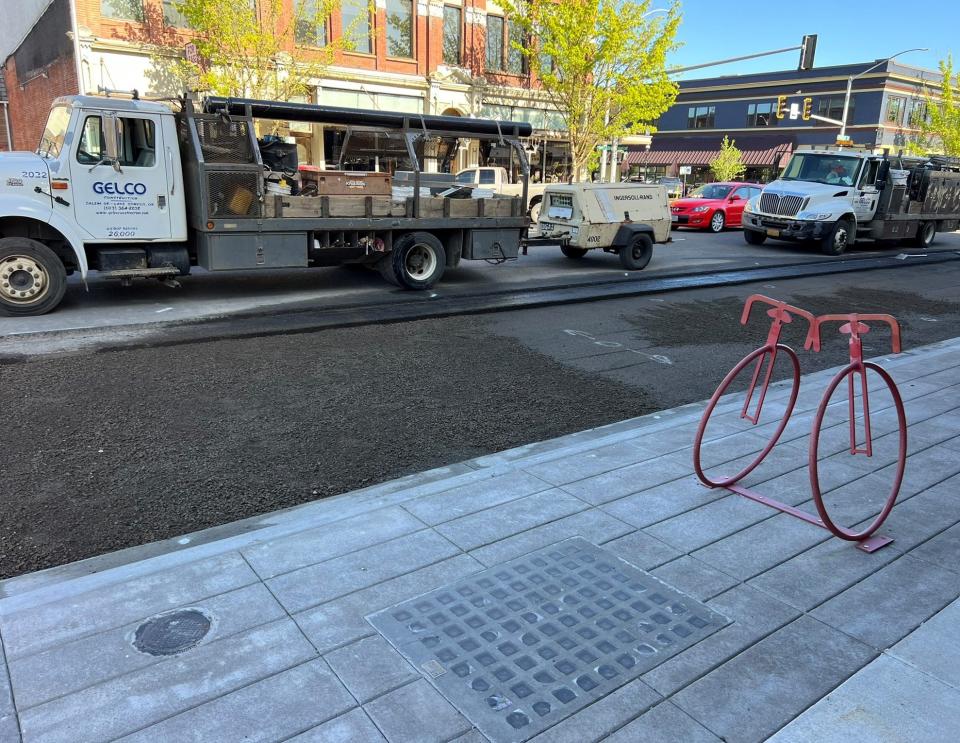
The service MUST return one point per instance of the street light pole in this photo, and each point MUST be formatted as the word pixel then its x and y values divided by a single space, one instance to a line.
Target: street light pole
pixel 851 78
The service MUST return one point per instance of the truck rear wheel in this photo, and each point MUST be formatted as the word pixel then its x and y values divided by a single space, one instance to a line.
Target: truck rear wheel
pixel 754 238
pixel 32 277
pixel 839 238
pixel 637 254
pixel 417 260
pixel 925 235
pixel 571 252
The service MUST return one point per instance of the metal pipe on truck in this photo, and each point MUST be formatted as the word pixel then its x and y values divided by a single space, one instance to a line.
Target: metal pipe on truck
pixel 310 112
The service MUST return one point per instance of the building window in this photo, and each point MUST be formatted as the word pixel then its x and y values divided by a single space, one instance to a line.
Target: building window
pixel 495 43
pixel 311 26
pixel 760 114
pixel 452 34
pixel 701 117
pixel 355 17
pixel 172 16
pixel 124 10
pixel 919 113
pixel 515 58
pixel 400 28
pixel 895 108
pixel 832 108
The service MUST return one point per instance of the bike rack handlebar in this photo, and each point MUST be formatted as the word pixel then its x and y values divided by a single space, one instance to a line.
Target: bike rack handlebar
pixel 781 312
pixel 854 325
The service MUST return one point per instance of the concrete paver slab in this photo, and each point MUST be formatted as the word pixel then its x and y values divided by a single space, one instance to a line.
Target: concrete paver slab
pixel 617 483
pixel 933 647
pixel 887 700
pixel 402 715
pixel 500 522
pixel 758 691
pixel 370 667
pixel 353 726
pixel 329 541
pixel 269 710
pixel 694 577
pixel 479 496
pixel 665 722
pixel 93 659
pixel 31 630
pixel 662 502
pixel 594 526
pixel 887 605
pixel 136 700
pixel 640 549
pixel 942 549
pixel 317 584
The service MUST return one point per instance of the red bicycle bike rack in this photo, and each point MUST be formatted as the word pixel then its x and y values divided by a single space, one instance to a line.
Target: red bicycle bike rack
pixel 855 326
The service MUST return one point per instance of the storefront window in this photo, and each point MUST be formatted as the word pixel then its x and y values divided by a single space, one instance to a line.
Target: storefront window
pixel 400 28
pixel 452 34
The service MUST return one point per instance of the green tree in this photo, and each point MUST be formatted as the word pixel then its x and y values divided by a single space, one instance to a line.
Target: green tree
pixel 728 165
pixel 602 63
pixel 249 48
pixel 938 121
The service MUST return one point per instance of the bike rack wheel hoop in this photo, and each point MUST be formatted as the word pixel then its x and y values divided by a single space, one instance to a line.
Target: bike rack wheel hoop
pixel 760 356
pixel 849 372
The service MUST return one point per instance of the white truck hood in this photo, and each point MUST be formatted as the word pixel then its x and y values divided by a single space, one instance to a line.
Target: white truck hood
pixel 803 198
pixel 21 173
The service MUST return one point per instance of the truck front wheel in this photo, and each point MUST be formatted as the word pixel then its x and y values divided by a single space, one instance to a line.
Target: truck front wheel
pixel 417 260
pixel 637 254
pixel 753 237
pixel 839 238
pixel 32 277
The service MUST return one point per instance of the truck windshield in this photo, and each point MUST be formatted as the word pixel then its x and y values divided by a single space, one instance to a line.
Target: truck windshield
pixel 711 191
pixel 51 141
pixel 822 168
pixel 466 176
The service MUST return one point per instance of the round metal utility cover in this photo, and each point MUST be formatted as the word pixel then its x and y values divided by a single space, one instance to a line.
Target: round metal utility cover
pixel 172 633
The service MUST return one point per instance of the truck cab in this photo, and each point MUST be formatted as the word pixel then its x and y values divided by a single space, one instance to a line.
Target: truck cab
pixel 823 195
pixel 497 180
pixel 106 174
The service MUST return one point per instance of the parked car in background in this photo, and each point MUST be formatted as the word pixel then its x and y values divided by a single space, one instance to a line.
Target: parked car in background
pixel 713 206
pixel 673 185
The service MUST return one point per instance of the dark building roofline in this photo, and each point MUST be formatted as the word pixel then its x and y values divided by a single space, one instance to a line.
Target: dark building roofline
pixel 888 66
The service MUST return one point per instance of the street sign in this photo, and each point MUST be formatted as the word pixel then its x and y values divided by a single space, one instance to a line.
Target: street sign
pixel 794 111
pixel 191 53
pixel 686 169
pixel 844 141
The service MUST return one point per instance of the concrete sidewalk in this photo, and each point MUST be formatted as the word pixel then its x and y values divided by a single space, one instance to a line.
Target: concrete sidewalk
pixel 259 630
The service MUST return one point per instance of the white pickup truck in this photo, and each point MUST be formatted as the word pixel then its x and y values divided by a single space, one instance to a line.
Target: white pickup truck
pixel 497 180
pixel 835 197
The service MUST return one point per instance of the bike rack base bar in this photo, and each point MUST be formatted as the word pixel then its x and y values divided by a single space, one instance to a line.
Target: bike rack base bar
pixel 870 544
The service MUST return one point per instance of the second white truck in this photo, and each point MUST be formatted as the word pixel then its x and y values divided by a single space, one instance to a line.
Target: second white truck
pixel 836 197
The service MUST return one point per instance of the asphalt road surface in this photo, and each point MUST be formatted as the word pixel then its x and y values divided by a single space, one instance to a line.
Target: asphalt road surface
pixel 106 450
pixel 108 306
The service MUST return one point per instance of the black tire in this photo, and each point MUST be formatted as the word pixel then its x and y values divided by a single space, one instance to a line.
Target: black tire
pixel 385 267
pixel 33 285
pixel 636 255
pixel 572 252
pixel 718 221
pixel 754 238
pixel 533 213
pixel 839 238
pixel 925 235
pixel 418 260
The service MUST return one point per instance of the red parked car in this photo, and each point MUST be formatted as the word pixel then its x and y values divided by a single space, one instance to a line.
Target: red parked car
pixel 713 206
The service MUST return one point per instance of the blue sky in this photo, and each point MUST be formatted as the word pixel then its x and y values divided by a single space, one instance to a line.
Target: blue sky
pixel 849 31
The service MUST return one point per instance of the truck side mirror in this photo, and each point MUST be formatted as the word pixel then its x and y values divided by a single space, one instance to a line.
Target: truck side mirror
pixel 111 140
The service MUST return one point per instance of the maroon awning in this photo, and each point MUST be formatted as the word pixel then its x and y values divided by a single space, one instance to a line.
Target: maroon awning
pixel 702 151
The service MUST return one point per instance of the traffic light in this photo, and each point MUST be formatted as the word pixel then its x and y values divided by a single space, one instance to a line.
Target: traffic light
pixel 807 49
pixel 781 107
pixel 807 108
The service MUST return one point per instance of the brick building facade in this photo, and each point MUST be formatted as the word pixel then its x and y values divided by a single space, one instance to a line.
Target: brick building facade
pixel 420 56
